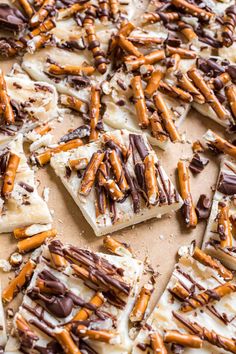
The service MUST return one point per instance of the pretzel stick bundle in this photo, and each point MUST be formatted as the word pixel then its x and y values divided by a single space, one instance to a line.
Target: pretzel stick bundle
pixel 188 208
pixel 151 179
pixel 64 339
pixel 165 115
pixel 109 184
pixel 10 174
pixel 157 130
pixel 184 339
pixel 118 171
pixel 215 141
pixel 116 247
pixel 128 46
pixel 70 70
pixel 193 9
pixel 230 92
pixel 44 157
pixel 140 104
pixel 95 302
pixel 94 112
pixel 208 296
pixel 73 103
pixel 70 11
pixel 27 7
pixel 229 26
pixel 98 54
pixel 157 343
pixel 33 242
pixel 153 17
pixel 16 284
pixel 5 102
pixel 141 304
pixel 90 173
pixel 103 10
pixel 153 83
pixel 151 58
pixel 115 8
pixel 208 261
pixel 44 11
pixel 186 84
pixel 175 92
pixel 224 225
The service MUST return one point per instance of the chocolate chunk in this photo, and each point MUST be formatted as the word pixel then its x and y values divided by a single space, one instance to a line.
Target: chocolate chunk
pixel 80 132
pixel 173 42
pixel 198 163
pixel 203 207
pixel 78 81
pixel 11 19
pixel 61 306
pixel 227 184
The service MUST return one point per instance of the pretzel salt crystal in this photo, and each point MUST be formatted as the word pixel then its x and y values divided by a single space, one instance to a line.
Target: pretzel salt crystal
pixel 5 102
pixel 151 179
pixel 42 13
pixel 66 342
pixel 209 95
pixel 10 174
pixel 140 104
pixel 184 339
pixel 128 46
pixel 151 58
pixel 94 112
pixel 230 92
pixel 70 11
pixel 153 83
pixel 182 52
pixel 94 45
pixel 165 114
pixel 16 284
pixel 157 130
pixel 176 92
pixel 186 84
pixel 104 336
pixel 192 9
pixel 157 343
pixel 45 156
pixel 207 296
pixel 55 69
pixel 90 173
pixel 27 7
pixel 33 242
pixel 118 171
pixel 224 225
pixel 141 304
pixel 188 207
pixel 109 184
pixel 220 144
pixel 84 313
pixel 116 247
pixel 73 103
pixel 153 17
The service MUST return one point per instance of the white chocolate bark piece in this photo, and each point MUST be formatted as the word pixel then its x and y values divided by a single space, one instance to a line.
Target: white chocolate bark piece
pixel 35 103
pixel 71 293
pixel 215 314
pixel 125 209
pixel 219 241
pixel 3 332
pixel 23 206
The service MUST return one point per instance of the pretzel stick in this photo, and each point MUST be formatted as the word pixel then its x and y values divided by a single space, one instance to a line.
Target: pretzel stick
pixel 30 230
pixel 33 242
pixel 74 103
pixel 90 173
pixel 193 9
pixel 174 61
pixel 208 261
pixel 109 184
pixel 141 304
pixel 151 179
pixel 128 47
pixel 145 41
pixel 220 81
pixel 70 70
pixel 165 114
pixel 90 16
pixel 153 17
pixel 182 52
pixel 230 92
pixel 156 128
pixel 106 138
pixel 179 291
pixel 219 143
pixel 189 212
pixel 140 104
pixel 43 129
pixel 207 297
pixel 84 313
pixel 153 83
pixel 118 171
pixel 125 30
pixel 209 95
pixel 64 339
pixel 94 45
pixel 45 156
pixel 207 335
pixel 229 26
pixel 94 112
pixel 104 336
pixel 5 102
pixel 79 164
pixel 23 327
pixel 151 58
pixel 187 31
pixel 157 343
pixel 27 7
pixel 185 339
pixel 224 225
pixel 44 27
pixel 70 11
pixel 10 174
pixel 42 13
pixel 116 247
pixel 114 6
pixel 175 92
pixel 186 84
pixel 16 284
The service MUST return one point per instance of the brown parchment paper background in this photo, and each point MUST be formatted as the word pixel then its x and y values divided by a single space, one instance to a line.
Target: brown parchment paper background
pixel 156 240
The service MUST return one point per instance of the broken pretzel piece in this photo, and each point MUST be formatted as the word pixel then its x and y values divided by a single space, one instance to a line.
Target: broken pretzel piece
pixel 94 112
pixel 5 102
pixel 97 335
pixel 45 10
pixel 42 129
pixel 94 46
pixel 224 225
pixel 153 17
pixel 230 92
pixel 90 173
pixel 141 304
pixel 27 7
pixel 187 31
pixel 66 341
pixel 185 339
pixel 79 164
pixel 157 343
pixel 176 92
pixel 151 179
pixel 220 81
pixel 116 247
pixel 109 184
pixel 103 11
pixel 133 63
pixel 33 242
pixel 140 104
pixel 188 208
pixel 220 144
pixel 95 302
pixel 153 83
pixel 192 9
pixel 128 46
pixel 70 10
pixel 16 284
pixel 186 84
pixel 157 130
pixel 179 291
pixel 70 70
pixel 182 52
pixel 74 103
pixel 118 171
pixel 10 174
pixel 31 230
pixel 57 255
